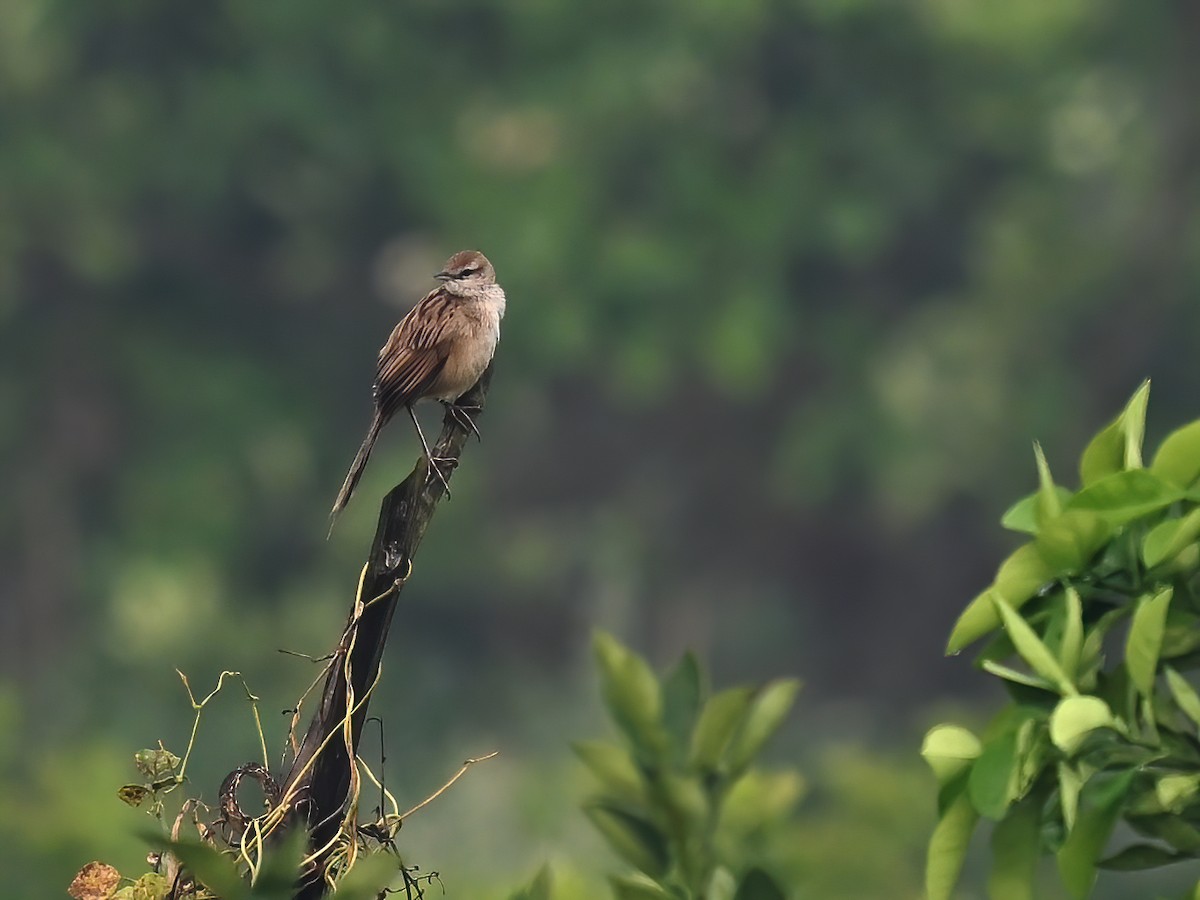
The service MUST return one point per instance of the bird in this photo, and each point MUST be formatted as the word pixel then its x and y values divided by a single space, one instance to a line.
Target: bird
pixel 438 351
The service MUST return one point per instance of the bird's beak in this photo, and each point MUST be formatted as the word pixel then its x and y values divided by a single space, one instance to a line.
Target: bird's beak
pixel 442 276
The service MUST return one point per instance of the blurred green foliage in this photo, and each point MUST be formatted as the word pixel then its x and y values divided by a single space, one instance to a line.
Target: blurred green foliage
pixel 684 752
pixel 793 282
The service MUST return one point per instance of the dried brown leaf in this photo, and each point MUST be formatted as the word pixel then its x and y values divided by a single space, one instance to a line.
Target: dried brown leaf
pixel 95 881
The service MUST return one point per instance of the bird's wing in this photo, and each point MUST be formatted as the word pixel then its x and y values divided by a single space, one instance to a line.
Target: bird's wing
pixel 415 354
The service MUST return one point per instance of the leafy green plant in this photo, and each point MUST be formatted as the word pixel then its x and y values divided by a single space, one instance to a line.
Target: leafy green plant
pixel 1092 624
pixel 663 787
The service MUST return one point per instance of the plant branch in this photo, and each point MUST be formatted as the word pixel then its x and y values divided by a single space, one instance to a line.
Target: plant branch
pixel 321 784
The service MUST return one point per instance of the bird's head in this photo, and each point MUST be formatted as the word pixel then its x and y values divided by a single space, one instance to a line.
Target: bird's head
pixel 465 271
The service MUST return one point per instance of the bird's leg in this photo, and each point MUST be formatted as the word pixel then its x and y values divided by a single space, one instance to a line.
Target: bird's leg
pixel 461 415
pixel 429 457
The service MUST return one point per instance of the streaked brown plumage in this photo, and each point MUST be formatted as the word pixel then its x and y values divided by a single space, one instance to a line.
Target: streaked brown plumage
pixel 437 352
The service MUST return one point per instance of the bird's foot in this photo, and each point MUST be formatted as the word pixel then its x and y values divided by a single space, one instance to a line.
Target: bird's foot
pixel 436 464
pixel 462 417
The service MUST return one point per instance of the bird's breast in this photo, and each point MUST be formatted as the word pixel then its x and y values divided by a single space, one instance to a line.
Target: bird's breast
pixel 469 353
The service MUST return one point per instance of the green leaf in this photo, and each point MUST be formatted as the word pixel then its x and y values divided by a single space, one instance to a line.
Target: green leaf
pixel 210 867
pixel 768 709
pixel 635 839
pixel 1178 457
pixel 1022 515
pixel 682 691
pixel 1145 640
pixel 1017 580
pixel 1024 678
pixel 758 885
pixel 1016 846
pixel 1125 496
pixel 632 694
pixel 1033 748
pixel 721 885
pixel 1137 857
pixel 1173 829
pixel 276 878
pixel 150 886
pixel 1118 446
pixel 1070 650
pixel 1183 692
pixel 1134 425
pixel 1167 539
pixel 372 873
pixel 1031 648
pixel 1093 641
pixel 1068 542
pixel 156 764
pixel 991 780
pixel 1174 791
pixel 638 887
pixel 686 797
pixel 719 719
pixel 1149 721
pixel 1187 560
pixel 1182 635
pixel 1099 807
pixel 1104 454
pixel 948 846
pixel 1075 718
pixel 1070 783
pixel 949 750
pixel 612 766
pixel 542 887
pixel 1045 503
pixel 1050 501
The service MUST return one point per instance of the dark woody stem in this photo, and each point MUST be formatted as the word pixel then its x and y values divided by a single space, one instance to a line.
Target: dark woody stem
pixel 319 782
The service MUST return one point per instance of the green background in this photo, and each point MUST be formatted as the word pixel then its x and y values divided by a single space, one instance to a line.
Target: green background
pixel 792 285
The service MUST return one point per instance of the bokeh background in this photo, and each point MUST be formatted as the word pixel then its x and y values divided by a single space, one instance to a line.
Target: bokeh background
pixel 793 284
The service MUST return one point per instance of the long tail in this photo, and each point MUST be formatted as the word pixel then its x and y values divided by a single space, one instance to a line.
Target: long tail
pixel 356 469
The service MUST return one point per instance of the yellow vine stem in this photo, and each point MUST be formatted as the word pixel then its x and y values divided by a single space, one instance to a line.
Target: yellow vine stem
pixel 296 711
pixel 199 708
pixel 350 818
pixel 387 795
pixel 445 787
pixel 252 864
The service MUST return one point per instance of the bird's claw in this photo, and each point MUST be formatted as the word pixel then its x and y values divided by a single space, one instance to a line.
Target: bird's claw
pixel 435 466
pixel 462 417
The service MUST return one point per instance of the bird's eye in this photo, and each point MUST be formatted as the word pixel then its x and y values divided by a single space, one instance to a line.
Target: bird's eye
pixel 467 272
